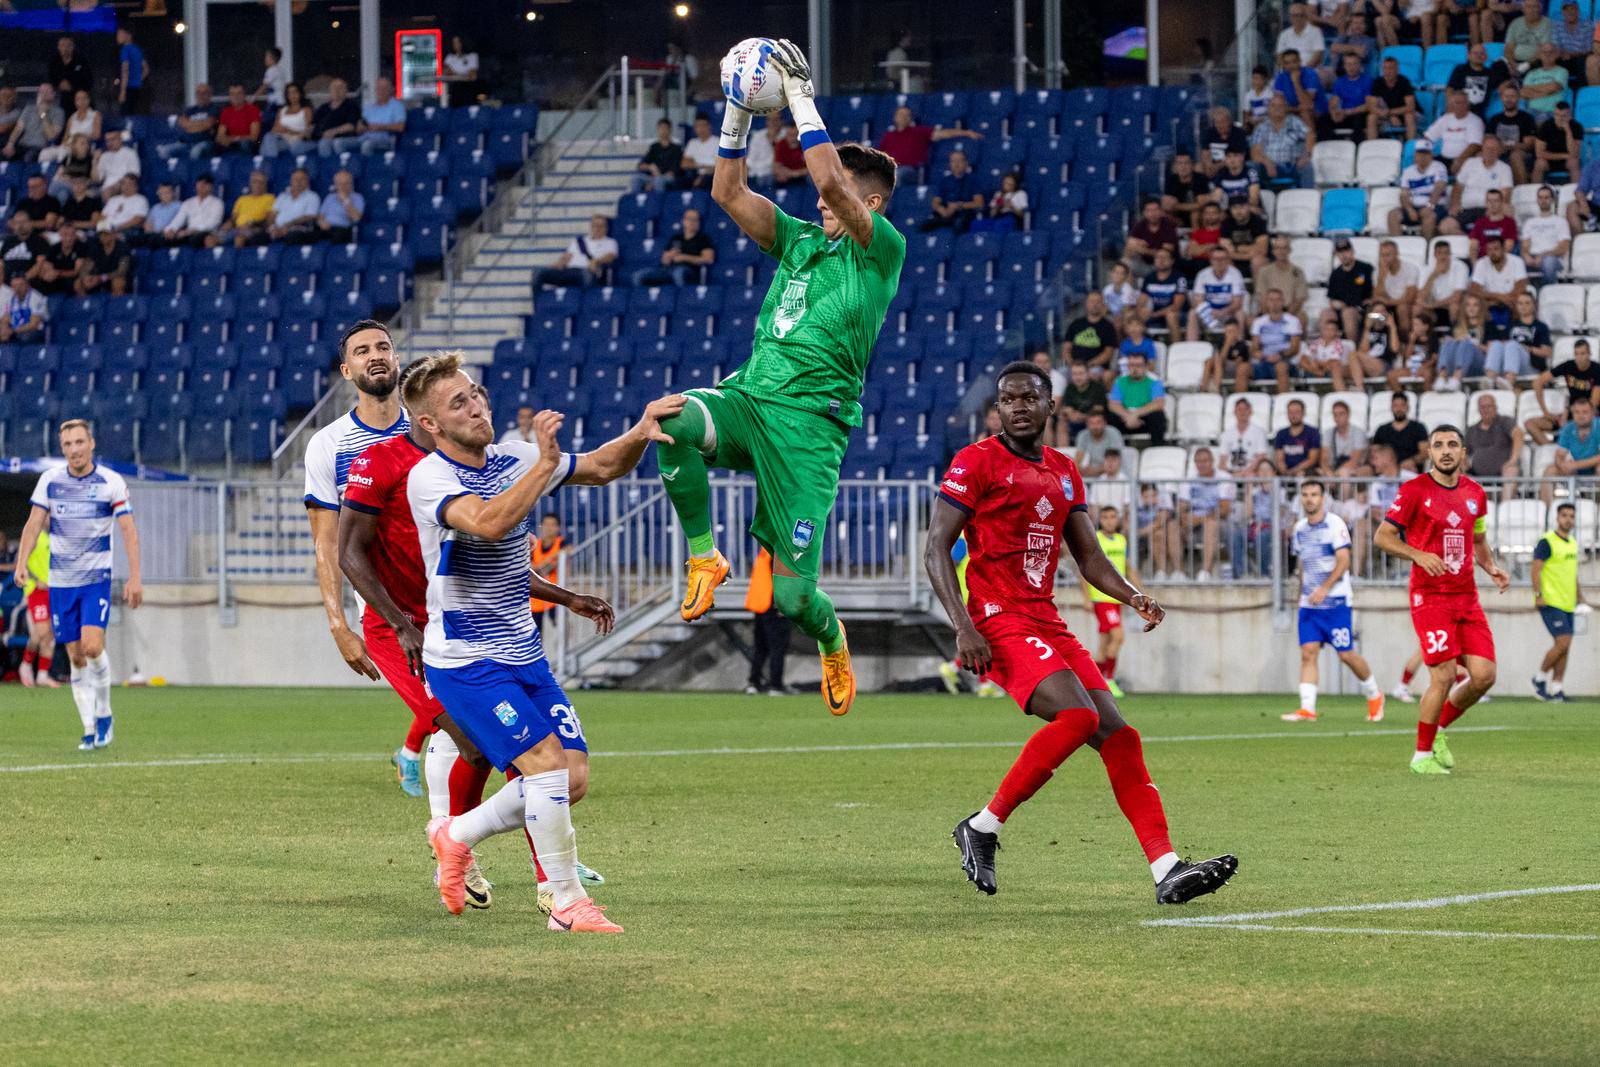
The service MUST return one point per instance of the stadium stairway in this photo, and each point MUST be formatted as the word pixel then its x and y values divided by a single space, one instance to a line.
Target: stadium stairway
pixel 494 289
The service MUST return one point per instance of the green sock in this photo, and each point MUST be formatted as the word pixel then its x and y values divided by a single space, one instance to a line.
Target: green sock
pixel 810 609
pixel 683 473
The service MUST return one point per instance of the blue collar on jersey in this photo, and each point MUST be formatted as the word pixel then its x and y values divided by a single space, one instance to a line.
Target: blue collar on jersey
pixel 93 467
pixel 372 429
pixel 464 466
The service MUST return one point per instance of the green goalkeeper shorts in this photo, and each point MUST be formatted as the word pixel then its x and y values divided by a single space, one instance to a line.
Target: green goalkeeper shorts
pixel 795 456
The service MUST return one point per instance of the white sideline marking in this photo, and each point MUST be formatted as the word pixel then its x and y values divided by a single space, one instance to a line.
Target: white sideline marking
pixel 1256 920
pixel 88 764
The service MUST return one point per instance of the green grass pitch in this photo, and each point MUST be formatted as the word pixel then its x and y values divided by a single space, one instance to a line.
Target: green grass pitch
pixel 270 899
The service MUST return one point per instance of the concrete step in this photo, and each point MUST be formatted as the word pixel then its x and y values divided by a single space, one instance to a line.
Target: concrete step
pixel 467 325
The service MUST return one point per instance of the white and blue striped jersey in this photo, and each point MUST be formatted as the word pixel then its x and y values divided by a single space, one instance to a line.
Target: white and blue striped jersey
pixel 1318 544
pixel 82 512
pixel 1218 292
pixel 477 590
pixel 331 451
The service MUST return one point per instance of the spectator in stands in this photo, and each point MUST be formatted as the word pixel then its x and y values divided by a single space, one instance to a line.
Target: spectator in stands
pixel 761 153
pixel 1006 210
pixel 1478 79
pixel 1396 287
pixel 336 119
pixel 1091 338
pixel 1353 41
pixel 1112 489
pixel 1546 238
pixel 106 266
pixel 69 70
pixel 1526 35
pixel 461 71
pixel 1344 452
pixel 1158 533
pixel 1404 436
pixel 1350 100
pixel 1469 197
pixel 1394 102
pixel 1243 444
pixel 1558 149
pixel 523 430
pixel 23 249
pixel 1219 300
pixel 1254 109
pixel 252 214
pixel 10 112
pixel 79 163
pixel 1577 445
pixel 1349 286
pixel 39 127
pixel 1164 294
pixel 1155 229
pixel 1281 147
pixel 1283 274
pixel 162 214
pixel 342 209
pixel 117 159
pixel 661 159
pixel 1302 94
pixel 1546 83
pixel 239 124
pixel 82 208
pixel 1457 135
pixel 1498 279
pixel 125 212
pixel 1204 238
pixel 1462 353
pixel 23 312
pixel 908 142
pixel 1302 37
pixel 1522 347
pixel 1297 446
pixel 585 261
pixel 1094 442
pixel 1423 189
pixel 42 208
pixel 699 157
pixel 1494 446
pixel 1580 212
pixel 1518 131
pixel 56 273
pixel 1426 21
pixel 1134 342
pixel 382 123
pixel 1580 374
pixel 83 121
pixel 1236 179
pixel 788 158
pixel 956 197
pixel 1274 346
pixel 685 259
pixel 274 79
pixel 1377 349
pixel 1184 189
pixel 1204 503
pixel 198 219
pixel 1244 238
pixel 1439 295
pixel 1327 354
pixel 1220 138
pixel 1252 527
pixel 1574 41
pixel 295 211
pixel 1058 375
pixel 291 126
pixel 133 70
pixel 197 127
pixel 1119 293
pixel 1138 402
pixel 1081 395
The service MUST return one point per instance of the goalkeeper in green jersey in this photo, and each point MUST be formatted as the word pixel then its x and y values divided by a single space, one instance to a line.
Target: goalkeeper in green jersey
pixel 786 414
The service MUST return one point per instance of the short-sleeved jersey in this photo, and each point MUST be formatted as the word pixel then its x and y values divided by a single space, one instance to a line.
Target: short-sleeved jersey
pixel 1318 544
pixel 1016 511
pixel 820 320
pixel 331 451
pixel 377 486
pixel 477 590
pixel 1115 546
pixel 82 512
pixel 1444 521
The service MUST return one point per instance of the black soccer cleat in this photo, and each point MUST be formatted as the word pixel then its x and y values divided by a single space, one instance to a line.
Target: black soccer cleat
pixel 977 854
pixel 1189 880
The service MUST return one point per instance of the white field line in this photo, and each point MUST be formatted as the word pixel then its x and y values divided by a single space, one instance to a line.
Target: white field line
pixel 89 763
pixel 1257 920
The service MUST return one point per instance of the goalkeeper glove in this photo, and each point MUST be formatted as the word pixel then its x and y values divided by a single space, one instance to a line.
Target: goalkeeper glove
pixel 799 92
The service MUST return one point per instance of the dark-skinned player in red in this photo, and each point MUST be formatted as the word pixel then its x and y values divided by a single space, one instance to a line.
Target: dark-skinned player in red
pixel 1017 501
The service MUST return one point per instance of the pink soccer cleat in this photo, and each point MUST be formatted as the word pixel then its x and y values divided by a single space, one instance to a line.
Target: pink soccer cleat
pixel 584 917
pixel 454 859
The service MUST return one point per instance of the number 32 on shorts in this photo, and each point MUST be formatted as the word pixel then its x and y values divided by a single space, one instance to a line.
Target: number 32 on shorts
pixel 1045 651
pixel 1438 641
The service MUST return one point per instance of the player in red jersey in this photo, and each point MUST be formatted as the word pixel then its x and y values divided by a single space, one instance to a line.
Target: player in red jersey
pixel 1017 500
pixel 1440 515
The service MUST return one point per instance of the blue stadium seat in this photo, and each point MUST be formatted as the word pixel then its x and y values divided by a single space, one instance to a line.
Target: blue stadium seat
pixel 1409 57
pixel 292 277
pixel 300 387
pixel 1002 157
pixel 206 439
pixel 973 259
pixel 210 321
pixel 849 116
pixel 130 358
pixel 1439 61
pixel 900 349
pixel 1038 112
pixel 941 109
pixel 990 112
pixel 1022 256
pixel 1344 211
pixel 935 307
pixel 264 259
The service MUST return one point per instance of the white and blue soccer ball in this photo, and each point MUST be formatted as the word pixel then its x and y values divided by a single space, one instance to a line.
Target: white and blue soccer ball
pixel 751 79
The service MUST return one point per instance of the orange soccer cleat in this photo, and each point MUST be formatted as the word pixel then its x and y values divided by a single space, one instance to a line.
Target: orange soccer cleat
pixel 1303 715
pixel 583 917
pixel 1375 708
pixel 838 680
pixel 704 577
pixel 454 859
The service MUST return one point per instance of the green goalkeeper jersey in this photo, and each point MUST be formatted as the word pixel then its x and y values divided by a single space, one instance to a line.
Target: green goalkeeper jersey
pixel 821 317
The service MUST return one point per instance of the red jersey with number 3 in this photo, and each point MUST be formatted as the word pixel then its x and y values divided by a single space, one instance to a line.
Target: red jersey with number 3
pixel 1017 510
pixel 377 486
pixel 1442 520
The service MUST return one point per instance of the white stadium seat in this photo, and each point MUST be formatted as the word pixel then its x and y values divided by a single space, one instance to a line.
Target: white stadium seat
pixel 1555 398
pixel 1199 417
pixel 1280 409
pixel 1164 463
pixel 1588 529
pixel 1543 456
pixel 1561 307
pixel 1366 250
pixel 1443 407
pixel 1378 411
pixel 1586 256
pixel 1316 301
pixel 1314 255
pixel 1334 162
pixel 1381 201
pixel 1378 162
pixel 1561 347
pixel 1186 364
pixel 1525 201
pixel 1515 525
pixel 1460 246
pixel 1591 305
pixel 1358 408
pixel 1505 402
pixel 1299 211
pixel 1269 204
pixel 1565 195
pixel 1260 408
pixel 1412 249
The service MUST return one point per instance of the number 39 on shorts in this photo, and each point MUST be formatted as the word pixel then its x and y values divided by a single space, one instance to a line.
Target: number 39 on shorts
pixel 1438 641
pixel 1045 651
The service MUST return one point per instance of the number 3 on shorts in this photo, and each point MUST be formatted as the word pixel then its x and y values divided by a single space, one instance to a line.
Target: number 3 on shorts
pixel 567 724
pixel 1045 651
pixel 1438 641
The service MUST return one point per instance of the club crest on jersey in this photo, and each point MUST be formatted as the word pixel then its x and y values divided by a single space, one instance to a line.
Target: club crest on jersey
pixel 1066 487
pixel 1043 508
pixel 506 713
pixel 1472 507
pixel 804 531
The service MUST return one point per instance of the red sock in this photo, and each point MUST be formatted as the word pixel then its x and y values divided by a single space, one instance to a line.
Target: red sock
pixel 1425 732
pixel 466 786
pixel 1110 669
pixel 538 868
pixel 1449 714
pixel 1045 751
pixel 1406 676
pixel 29 655
pixel 417 736
pixel 44 664
pixel 1136 796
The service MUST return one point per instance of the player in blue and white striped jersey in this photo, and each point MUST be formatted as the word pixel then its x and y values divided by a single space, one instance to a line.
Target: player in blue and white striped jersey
pixel 472 501
pixel 82 501
pixel 1322 542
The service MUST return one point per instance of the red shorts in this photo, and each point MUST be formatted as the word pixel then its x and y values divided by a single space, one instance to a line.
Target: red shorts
pixel 39 605
pixel 1108 615
pixel 383 648
pixel 1027 651
pixel 1451 626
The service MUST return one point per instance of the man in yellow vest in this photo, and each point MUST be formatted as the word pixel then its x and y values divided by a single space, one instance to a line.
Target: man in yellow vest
pixel 1557 596
pixel 772 631
pixel 36 658
pixel 1107 610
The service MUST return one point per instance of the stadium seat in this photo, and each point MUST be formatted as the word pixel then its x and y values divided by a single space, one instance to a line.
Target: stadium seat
pixel 1561 307
pixel 1199 418
pixel 1356 401
pixel 990 112
pixel 1409 58
pixel 1186 363
pixel 1280 409
pixel 1438 62
pixel 1343 210
pixel 1591 316
pixel 1334 162
pixel 1586 108
pixel 1038 113
pixel 1504 399
pixel 1163 463
pixel 1381 200
pixel 1378 162
pixel 1366 249
pixel 1586 256
pixel 1298 211
pixel 1516 525
pixel 1260 408
pixel 1314 255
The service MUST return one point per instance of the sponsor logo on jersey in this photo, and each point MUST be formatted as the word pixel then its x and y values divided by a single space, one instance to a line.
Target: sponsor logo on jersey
pixel 1036 560
pixel 791 307
pixel 991 609
pixel 804 530
pixel 506 713
pixel 359 479
pixel 954 486
pixel 1453 519
pixel 1044 507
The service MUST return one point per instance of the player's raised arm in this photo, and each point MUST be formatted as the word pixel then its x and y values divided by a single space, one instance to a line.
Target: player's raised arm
pixel 730 188
pixel 833 182
pixel 945 526
pixel 617 457
pixel 1100 573
pixel 493 520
